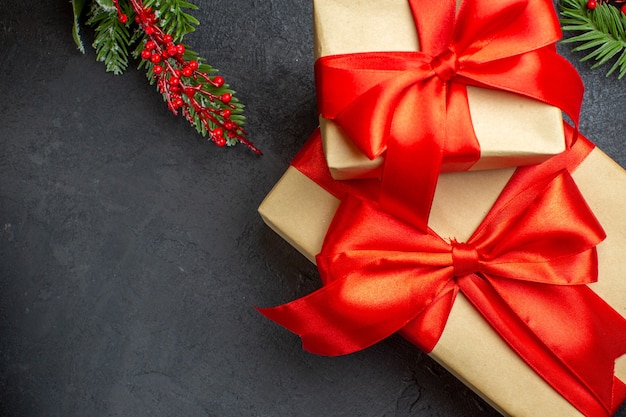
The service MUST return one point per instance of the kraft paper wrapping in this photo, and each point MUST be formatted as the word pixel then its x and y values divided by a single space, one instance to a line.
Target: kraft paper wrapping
pixel 300 211
pixel 348 26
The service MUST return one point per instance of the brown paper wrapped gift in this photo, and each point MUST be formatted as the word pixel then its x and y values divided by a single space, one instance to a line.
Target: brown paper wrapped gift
pixel 342 26
pixel 300 211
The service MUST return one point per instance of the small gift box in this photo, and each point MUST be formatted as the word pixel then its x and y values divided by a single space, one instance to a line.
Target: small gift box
pixel 590 334
pixel 362 42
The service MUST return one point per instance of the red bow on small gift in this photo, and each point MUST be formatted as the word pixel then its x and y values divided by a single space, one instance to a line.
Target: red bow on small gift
pixel 412 105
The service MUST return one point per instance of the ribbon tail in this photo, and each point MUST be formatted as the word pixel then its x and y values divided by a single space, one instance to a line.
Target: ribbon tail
pixel 312 318
pixel 425 330
pixel 552 343
pixel 462 149
pixel 414 154
pixel 343 317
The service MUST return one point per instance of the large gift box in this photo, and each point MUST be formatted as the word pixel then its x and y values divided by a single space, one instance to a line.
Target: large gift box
pixel 588 336
pixel 516 86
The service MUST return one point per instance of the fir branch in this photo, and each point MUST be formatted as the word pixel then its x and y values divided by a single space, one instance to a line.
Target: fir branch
pixel 603 34
pixel 185 81
pixel 151 28
pixel 172 18
pixel 175 20
pixel 77 8
pixel 112 37
pixel 204 84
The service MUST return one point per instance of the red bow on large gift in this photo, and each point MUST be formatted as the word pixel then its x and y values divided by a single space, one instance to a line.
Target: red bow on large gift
pixel 524 269
pixel 413 105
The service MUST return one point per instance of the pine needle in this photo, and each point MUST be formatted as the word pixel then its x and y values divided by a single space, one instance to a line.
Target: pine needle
pixel 111 38
pixel 603 36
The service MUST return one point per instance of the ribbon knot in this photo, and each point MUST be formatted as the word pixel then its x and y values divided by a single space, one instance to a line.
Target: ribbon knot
pixel 445 65
pixel 464 259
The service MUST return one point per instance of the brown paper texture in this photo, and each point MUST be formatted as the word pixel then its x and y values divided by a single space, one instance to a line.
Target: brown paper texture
pixel 300 211
pixel 512 130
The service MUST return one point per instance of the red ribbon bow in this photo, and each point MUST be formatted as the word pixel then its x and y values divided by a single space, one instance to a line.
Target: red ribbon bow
pixel 524 269
pixel 412 105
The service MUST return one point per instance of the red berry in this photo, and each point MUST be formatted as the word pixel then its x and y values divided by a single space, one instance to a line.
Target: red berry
pixel 217 133
pixel 180 48
pixel 150 45
pixel 178 103
pixel 226 113
pixel 592 4
pixel 623 9
pixel 157 69
pixel 226 97
pixel 172 50
pixel 155 58
pixel 221 142
pixel 174 80
pixel 168 38
pixel 187 72
pixel 146 54
pixel 177 73
pixel 218 81
pixel 149 30
pixel 193 65
pixel 229 125
pixel 123 18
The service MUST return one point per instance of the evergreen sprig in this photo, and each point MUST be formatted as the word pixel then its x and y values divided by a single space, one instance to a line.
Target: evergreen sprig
pixel 112 37
pixel 179 23
pixel 121 34
pixel 77 8
pixel 235 106
pixel 602 33
pixel 176 21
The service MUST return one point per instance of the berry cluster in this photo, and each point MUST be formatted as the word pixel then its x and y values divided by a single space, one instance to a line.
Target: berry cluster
pixel 183 85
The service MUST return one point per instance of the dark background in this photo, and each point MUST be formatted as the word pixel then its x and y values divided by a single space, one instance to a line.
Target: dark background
pixel 131 252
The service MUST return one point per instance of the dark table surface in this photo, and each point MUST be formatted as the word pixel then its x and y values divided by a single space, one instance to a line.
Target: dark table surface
pixel 131 252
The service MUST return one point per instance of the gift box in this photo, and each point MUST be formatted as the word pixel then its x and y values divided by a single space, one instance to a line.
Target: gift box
pixel 353 27
pixel 301 209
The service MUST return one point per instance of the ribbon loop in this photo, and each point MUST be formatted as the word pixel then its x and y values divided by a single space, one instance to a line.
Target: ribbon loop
pixel 445 65
pixel 464 259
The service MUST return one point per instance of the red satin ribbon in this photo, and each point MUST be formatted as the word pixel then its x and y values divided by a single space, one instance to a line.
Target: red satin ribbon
pixel 413 105
pixel 524 269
